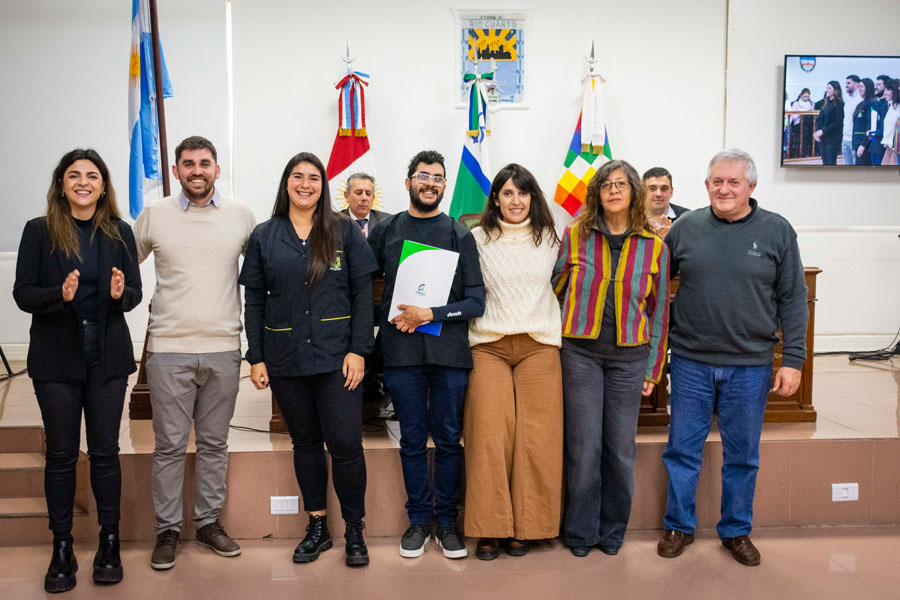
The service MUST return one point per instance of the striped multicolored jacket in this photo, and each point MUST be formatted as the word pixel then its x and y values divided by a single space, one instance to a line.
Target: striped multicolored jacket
pixel 581 279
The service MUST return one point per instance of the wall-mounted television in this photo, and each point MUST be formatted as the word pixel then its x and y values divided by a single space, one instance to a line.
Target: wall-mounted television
pixel 840 111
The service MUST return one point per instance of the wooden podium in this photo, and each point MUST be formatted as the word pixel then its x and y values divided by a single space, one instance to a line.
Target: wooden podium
pixel 792 409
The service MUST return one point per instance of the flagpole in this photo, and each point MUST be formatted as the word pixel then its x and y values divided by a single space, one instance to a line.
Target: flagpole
pixel 160 110
pixel 139 405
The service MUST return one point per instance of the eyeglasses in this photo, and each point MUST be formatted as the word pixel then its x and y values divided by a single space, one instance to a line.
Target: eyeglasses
pixel 426 177
pixel 616 185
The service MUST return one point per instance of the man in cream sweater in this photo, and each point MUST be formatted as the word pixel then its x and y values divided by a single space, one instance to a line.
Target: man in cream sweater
pixel 194 352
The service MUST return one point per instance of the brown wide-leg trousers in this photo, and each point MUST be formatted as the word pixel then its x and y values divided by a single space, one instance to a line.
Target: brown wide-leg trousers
pixel 513 430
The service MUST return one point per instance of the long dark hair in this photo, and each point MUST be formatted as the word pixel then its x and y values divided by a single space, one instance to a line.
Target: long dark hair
pixel 60 225
pixel 325 220
pixel 593 207
pixel 838 94
pixel 539 213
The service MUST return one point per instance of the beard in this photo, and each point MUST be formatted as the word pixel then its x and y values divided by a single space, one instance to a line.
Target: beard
pixel 207 188
pixel 422 206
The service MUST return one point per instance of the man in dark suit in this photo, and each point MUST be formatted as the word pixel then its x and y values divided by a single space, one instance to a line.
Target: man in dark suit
pixel 360 194
pixel 660 211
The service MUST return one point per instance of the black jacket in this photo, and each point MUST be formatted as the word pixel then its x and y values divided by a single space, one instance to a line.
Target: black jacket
pixel 375 216
pixel 862 122
pixel 831 122
pixel 55 352
pixel 678 210
pixel 295 329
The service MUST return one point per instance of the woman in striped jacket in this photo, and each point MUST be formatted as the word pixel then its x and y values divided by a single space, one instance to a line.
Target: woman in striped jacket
pixel 612 277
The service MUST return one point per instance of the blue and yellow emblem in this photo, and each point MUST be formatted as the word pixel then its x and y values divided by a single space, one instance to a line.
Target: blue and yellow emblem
pixel 496 44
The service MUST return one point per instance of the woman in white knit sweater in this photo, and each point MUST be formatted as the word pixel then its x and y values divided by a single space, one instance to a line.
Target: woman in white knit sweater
pixel 514 405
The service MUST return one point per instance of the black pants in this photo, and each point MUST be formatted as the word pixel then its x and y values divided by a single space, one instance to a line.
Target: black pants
pixel 61 406
pixel 829 153
pixel 317 408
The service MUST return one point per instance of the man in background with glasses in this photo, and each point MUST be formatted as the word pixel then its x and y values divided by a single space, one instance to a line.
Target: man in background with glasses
pixel 427 374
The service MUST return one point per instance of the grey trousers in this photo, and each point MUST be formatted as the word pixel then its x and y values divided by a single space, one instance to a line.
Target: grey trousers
pixel 183 388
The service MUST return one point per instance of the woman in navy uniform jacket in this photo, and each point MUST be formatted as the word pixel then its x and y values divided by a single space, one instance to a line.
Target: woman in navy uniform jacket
pixel 309 321
pixel 77 274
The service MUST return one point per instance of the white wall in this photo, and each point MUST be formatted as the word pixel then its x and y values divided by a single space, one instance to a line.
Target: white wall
pixel 66 64
pixel 287 56
pixel 64 70
pixel 847 220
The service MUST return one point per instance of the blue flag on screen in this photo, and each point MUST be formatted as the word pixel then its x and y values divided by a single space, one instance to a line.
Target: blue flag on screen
pixel 143 126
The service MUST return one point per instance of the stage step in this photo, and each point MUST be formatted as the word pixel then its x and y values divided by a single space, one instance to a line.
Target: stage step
pixel 23 521
pixel 21 439
pixel 21 474
pixel 26 507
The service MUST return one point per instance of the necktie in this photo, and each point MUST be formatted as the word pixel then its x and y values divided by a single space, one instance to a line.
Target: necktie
pixel 362 223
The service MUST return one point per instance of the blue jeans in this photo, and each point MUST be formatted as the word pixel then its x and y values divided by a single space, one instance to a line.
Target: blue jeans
pixel 429 396
pixel 738 395
pixel 602 400
pixel 848 152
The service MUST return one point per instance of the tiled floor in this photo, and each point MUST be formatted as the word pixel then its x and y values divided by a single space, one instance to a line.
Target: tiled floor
pixel 825 563
pixel 853 399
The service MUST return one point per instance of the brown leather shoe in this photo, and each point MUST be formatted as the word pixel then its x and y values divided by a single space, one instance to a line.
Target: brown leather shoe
pixel 743 550
pixel 516 547
pixel 487 549
pixel 673 542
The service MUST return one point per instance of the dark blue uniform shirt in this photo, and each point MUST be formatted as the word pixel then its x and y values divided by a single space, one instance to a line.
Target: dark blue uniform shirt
pixel 297 329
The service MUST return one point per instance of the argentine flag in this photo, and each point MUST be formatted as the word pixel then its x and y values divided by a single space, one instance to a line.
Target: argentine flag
pixel 143 127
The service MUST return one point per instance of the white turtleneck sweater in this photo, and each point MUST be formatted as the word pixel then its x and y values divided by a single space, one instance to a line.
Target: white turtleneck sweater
pixel 518 294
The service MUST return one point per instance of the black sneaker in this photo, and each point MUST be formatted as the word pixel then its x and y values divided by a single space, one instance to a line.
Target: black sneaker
pixel 451 542
pixel 316 541
pixel 413 542
pixel 357 553
pixel 164 551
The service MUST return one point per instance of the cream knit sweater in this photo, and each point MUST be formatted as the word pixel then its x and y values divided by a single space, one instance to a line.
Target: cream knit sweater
pixel 197 301
pixel 518 294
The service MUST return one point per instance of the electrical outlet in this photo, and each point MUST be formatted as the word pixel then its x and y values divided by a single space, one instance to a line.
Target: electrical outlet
pixel 284 505
pixel 844 492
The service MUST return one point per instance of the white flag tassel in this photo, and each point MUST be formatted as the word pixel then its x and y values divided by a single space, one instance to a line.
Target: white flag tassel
pixel 593 115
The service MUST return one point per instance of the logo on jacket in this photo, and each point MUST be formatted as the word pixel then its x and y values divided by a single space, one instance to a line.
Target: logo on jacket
pixel 807 63
pixel 754 251
pixel 420 291
pixel 336 265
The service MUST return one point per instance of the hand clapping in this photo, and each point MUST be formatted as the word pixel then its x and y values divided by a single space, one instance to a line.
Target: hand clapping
pixel 70 286
pixel 116 284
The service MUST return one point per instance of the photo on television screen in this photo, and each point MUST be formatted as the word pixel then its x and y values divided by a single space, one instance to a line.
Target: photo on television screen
pixel 841 111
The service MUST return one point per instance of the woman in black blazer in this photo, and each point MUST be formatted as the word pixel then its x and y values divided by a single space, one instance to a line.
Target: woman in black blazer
pixel 830 123
pixel 309 321
pixel 77 274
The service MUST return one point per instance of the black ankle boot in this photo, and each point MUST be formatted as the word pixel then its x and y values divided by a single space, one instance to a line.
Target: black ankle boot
pixel 357 553
pixel 63 566
pixel 317 540
pixel 107 564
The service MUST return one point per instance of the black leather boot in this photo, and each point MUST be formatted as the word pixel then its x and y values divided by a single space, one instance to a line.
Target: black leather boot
pixel 107 564
pixel 63 566
pixel 357 553
pixel 317 540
